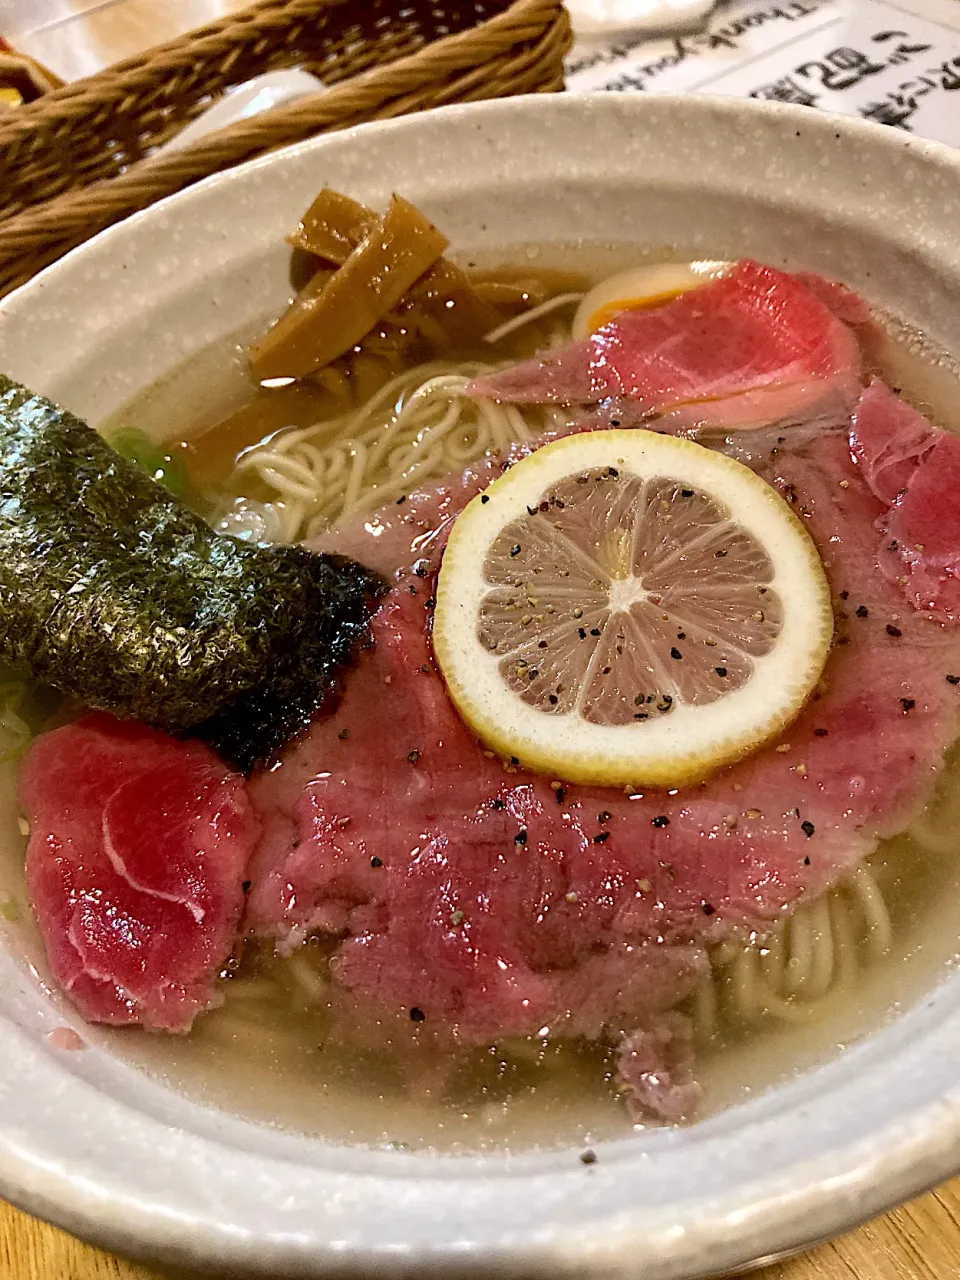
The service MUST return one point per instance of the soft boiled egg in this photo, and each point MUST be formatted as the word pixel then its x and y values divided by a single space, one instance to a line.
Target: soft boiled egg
pixel 639 288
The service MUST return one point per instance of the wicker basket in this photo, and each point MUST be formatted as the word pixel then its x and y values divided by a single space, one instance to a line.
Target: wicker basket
pixel 81 159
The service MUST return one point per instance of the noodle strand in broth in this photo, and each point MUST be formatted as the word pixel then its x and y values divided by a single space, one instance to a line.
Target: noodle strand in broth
pixel 420 426
pixel 800 970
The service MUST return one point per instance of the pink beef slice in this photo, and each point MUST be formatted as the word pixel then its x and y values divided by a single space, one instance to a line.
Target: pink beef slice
pixel 135 868
pixel 756 329
pixel 915 467
pixel 656 1064
pixel 889 439
pixel 492 901
pixel 846 304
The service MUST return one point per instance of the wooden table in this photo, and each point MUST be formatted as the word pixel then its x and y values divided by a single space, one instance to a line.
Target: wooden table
pixel 918 1242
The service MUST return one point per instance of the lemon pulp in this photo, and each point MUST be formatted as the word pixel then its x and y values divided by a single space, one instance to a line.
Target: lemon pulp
pixel 623 607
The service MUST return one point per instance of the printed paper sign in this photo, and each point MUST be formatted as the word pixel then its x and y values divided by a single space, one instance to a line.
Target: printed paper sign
pixel 863 58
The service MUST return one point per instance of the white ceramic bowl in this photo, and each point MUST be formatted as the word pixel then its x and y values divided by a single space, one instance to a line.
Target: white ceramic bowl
pixel 87 1141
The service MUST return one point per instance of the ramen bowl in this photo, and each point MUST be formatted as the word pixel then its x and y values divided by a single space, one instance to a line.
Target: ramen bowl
pixel 119 1157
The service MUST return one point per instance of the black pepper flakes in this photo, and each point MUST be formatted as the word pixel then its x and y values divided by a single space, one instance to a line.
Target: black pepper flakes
pixel 807 828
pixel 515 549
pixel 844 595
pixel 246 886
pixel 721 671
pixel 594 631
pixel 484 497
pixel 908 703
pixel 581 632
pixel 863 611
pixel 806 862
pixel 343 735
pixel 420 571
pixel 521 836
pixel 430 604
pixel 708 909
pixel 414 756
pixel 552 699
pixel 686 493
pixel 604 815
pixel 588 1157
pixel 953 679
pixel 892 630
pixel 676 654
pixel 719 555
pixel 496 803
pixel 401 500
pixel 660 821
pixel 376 862
pixel 820 733
pixel 561 794
pixel 601 837
pixel 417 1015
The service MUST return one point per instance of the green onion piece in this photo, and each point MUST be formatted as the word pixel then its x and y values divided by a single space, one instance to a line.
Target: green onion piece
pixel 132 443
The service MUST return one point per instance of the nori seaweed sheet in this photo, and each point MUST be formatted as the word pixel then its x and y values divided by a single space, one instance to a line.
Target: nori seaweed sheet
pixel 111 590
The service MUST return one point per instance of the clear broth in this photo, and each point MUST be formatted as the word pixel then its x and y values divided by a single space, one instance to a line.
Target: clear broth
pixel 266 1053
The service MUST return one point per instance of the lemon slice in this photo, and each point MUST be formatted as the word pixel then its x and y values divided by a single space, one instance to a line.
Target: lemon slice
pixel 622 607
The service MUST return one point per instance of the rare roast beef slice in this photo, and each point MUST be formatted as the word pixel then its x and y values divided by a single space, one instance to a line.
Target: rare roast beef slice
pixel 915 468
pixel 754 330
pixel 497 902
pixel 889 439
pixel 135 868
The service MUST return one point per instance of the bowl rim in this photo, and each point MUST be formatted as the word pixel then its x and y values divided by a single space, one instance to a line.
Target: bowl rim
pixel 766 1217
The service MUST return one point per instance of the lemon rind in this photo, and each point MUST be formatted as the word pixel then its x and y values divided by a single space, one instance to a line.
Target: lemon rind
pixel 692 742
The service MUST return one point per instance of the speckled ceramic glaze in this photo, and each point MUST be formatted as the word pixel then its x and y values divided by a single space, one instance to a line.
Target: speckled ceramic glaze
pixel 90 1143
